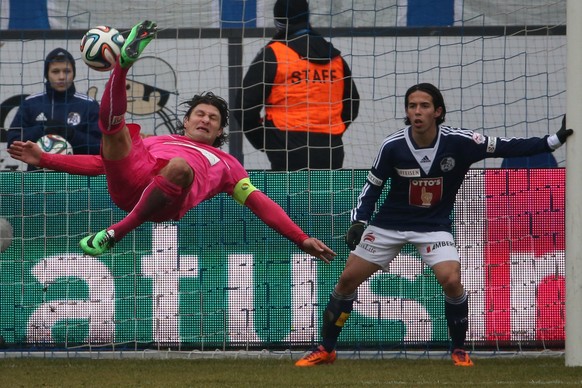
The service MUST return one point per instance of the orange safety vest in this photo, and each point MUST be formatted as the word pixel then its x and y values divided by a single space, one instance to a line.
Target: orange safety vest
pixel 306 96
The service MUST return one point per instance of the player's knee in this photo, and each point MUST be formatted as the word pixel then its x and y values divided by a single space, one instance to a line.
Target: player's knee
pixel 451 284
pixel 179 172
pixel 346 285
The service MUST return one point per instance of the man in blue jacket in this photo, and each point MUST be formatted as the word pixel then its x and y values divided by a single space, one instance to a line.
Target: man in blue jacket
pixel 60 109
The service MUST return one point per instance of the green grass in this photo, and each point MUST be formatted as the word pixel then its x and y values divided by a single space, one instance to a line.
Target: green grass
pixel 514 372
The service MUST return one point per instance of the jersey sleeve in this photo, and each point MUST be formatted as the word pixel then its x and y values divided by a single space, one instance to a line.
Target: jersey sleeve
pixel 87 165
pixel 482 147
pixel 372 189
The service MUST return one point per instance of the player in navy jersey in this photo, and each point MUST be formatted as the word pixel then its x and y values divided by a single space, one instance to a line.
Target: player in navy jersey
pixel 425 164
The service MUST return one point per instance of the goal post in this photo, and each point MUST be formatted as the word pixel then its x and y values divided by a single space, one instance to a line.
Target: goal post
pixel 573 186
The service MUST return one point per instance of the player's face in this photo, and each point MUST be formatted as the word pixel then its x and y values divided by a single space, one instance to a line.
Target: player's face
pixel 60 75
pixel 203 124
pixel 422 113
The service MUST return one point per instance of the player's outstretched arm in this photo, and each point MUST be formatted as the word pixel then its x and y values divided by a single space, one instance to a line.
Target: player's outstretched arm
pixel 30 153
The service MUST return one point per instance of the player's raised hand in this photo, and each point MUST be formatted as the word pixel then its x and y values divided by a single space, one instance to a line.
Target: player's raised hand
pixel 558 139
pixel 563 133
pixel 318 249
pixel 27 152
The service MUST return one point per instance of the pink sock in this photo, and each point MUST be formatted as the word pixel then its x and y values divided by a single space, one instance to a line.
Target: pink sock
pixel 114 102
pixel 154 199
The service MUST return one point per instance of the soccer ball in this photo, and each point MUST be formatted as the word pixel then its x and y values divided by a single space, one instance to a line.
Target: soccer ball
pixel 100 47
pixel 55 144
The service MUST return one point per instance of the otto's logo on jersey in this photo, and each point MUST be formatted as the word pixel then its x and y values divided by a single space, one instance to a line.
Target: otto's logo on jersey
pixel 440 244
pixel 425 192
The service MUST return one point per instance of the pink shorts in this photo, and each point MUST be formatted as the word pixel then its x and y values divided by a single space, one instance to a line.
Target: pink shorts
pixel 128 178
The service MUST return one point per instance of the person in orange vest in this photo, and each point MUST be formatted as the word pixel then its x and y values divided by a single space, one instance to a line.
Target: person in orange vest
pixel 306 90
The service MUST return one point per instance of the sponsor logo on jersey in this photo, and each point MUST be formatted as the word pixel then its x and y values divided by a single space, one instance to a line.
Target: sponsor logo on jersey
pixel 426 159
pixel 478 138
pixel 408 173
pixel 374 180
pixel 425 192
pixel 439 244
pixel 491 145
pixel 447 164
pixel 41 117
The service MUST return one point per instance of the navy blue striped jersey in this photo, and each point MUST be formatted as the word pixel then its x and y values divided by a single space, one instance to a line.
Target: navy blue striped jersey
pixel 423 182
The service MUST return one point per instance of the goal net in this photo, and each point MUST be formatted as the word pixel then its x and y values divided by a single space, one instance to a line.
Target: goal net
pixel 219 278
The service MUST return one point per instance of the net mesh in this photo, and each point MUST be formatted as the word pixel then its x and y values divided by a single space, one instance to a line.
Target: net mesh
pixel 219 278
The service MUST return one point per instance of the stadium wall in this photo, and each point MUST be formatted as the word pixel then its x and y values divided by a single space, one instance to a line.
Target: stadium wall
pixel 219 278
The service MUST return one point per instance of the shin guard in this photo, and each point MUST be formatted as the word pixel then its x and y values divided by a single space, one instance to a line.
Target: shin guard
pixel 335 315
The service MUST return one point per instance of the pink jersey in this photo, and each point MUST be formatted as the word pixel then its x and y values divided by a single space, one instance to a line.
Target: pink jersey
pixel 215 171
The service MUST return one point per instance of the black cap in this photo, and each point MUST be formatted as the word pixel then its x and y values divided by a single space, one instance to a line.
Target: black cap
pixel 295 11
pixel 58 55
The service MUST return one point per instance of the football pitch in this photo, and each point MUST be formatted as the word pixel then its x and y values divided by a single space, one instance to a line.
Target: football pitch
pixel 71 372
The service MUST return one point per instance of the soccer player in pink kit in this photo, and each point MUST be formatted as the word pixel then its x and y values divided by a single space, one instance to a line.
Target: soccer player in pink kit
pixel 160 178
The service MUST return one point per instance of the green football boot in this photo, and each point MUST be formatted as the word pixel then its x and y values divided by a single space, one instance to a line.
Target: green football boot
pixel 98 243
pixel 139 37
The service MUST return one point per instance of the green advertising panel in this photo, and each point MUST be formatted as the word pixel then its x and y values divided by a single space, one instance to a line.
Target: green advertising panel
pixel 218 278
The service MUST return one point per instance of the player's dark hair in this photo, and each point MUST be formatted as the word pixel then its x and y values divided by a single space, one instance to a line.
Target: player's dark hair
pixel 216 101
pixel 437 100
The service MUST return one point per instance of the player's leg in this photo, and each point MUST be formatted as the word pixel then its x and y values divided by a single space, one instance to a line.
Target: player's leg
pixel 448 274
pixel 116 143
pixel 158 198
pixel 368 257
pixel 338 309
pixel 156 203
pixel 439 252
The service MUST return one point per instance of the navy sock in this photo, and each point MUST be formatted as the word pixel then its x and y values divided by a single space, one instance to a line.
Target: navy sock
pixel 457 315
pixel 335 315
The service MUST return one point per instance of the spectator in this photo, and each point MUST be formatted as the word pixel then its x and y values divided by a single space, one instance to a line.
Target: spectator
pixel 59 109
pixel 307 92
